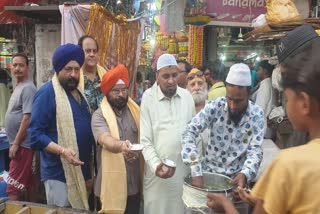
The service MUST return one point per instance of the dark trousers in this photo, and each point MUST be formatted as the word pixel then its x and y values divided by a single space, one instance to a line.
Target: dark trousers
pixel 133 204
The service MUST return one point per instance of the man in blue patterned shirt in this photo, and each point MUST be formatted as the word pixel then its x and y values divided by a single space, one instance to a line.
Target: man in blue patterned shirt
pixel 236 133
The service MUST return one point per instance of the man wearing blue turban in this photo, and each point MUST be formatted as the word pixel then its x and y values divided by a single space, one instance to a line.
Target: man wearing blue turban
pixel 60 128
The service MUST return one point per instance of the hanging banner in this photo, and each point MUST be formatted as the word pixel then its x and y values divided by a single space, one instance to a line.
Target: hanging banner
pixel 235 12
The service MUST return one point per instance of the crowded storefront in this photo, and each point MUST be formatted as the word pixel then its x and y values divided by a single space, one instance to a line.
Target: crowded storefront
pixel 152 106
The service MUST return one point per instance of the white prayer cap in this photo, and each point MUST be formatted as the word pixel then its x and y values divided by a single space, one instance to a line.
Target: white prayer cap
pixel 166 60
pixel 119 82
pixel 239 74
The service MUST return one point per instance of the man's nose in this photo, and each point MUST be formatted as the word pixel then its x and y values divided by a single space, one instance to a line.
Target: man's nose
pixel 171 80
pixel 232 106
pixel 197 87
pixel 74 72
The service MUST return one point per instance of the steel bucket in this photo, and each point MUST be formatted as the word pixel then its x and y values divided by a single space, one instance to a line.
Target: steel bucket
pixel 213 182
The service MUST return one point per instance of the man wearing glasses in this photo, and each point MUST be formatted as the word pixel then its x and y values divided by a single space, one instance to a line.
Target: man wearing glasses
pixel 115 126
pixel 197 86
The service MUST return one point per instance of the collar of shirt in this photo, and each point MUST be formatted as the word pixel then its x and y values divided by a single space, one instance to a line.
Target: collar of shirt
pixel 245 117
pixel 160 94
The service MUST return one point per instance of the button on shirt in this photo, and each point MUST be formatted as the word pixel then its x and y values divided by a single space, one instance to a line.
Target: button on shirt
pixel 233 148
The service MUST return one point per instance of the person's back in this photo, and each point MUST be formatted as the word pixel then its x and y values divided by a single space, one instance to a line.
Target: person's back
pixel 297 168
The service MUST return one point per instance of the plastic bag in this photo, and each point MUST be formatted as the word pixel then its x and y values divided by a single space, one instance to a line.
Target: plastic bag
pixel 259 21
pixel 279 11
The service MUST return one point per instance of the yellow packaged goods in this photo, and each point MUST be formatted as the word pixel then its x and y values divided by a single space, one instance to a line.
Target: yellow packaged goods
pixel 173 46
pixel 279 11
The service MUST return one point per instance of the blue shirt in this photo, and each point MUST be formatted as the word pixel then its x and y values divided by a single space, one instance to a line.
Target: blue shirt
pixel 43 129
pixel 232 148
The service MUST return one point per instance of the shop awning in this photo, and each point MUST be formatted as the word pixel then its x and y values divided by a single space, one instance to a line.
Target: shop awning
pixel 7 17
pixel 48 14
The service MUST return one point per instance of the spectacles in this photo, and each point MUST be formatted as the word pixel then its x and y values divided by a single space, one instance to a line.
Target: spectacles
pixel 117 91
pixel 192 76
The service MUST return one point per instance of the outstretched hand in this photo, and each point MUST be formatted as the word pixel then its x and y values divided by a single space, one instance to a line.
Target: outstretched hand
pixel 69 155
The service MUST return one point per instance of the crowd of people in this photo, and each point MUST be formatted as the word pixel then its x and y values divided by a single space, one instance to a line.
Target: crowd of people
pixel 204 120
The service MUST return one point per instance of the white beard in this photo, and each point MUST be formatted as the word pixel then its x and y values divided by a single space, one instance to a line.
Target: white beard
pixel 200 96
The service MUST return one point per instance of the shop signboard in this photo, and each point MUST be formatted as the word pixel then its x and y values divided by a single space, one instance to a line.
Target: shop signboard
pixel 235 12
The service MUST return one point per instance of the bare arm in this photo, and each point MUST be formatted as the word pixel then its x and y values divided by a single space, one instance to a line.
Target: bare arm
pixel 21 135
pixel 22 132
pixel 258 209
pixel 113 145
pixel 66 153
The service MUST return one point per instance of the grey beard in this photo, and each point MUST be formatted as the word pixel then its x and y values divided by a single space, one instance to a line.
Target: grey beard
pixel 200 97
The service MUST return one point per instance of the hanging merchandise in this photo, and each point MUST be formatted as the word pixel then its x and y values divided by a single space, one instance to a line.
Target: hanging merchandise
pixel 195 50
pixel 164 43
pixel 173 46
pixel 183 47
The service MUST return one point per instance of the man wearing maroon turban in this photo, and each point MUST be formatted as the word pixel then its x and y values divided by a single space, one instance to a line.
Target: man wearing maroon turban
pixel 115 127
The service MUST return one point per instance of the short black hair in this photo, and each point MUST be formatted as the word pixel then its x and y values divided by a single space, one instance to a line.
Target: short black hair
pixel 82 38
pixel 217 70
pixel 267 66
pixel 186 64
pixel 23 55
pixel 240 87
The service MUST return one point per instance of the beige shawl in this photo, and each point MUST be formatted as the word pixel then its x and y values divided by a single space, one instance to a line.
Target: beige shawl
pixel 77 193
pixel 114 176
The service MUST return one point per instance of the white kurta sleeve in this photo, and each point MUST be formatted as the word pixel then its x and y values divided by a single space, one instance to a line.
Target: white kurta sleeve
pixel 146 134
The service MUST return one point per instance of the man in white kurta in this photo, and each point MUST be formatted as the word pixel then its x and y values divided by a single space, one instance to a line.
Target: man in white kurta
pixel 165 111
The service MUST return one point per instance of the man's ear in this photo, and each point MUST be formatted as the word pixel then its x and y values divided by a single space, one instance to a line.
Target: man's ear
pixel 305 103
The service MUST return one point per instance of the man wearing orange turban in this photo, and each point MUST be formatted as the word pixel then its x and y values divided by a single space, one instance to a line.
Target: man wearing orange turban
pixel 111 78
pixel 115 126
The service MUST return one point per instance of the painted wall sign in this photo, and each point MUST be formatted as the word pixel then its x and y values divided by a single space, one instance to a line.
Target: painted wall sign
pixel 236 11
